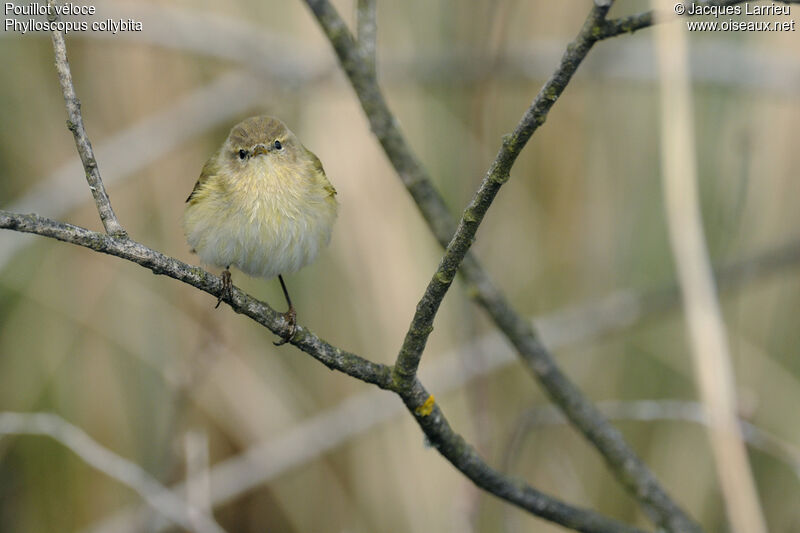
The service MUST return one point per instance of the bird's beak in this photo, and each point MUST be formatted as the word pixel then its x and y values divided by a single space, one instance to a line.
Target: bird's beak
pixel 259 149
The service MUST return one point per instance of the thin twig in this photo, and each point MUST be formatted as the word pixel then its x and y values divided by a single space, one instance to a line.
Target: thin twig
pixel 622 460
pixel 126 472
pixel 75 125
pixel 431 420
pixel 367 30
pixel 709 341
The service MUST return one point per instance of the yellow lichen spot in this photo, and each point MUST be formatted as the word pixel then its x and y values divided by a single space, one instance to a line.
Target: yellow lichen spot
pixel 426 408
pixel 442 278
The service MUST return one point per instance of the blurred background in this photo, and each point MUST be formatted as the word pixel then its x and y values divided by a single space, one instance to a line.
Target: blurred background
pixel 577 239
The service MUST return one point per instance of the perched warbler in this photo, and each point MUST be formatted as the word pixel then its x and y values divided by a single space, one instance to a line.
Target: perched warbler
pixel 262 204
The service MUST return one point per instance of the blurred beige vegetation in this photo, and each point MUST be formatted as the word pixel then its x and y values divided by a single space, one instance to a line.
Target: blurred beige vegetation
pixel 139 362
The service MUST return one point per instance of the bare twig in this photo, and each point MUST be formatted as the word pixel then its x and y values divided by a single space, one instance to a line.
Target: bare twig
pixel 126 472
pixel 75 125
pixel 622 460
pixel 432 421
pixel 709 341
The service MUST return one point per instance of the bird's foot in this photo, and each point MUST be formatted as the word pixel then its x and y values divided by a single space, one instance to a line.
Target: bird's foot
pixel 291 318
pixel 227 288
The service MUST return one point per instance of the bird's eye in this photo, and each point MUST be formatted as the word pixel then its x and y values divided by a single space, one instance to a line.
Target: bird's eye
pixel 242 154
pixel 277 144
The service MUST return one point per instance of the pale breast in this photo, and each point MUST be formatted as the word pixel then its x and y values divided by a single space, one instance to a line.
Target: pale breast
pixel 265 226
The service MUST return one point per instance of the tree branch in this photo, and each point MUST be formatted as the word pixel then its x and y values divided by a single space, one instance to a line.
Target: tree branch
pixel 75 125
pixel 430 418
pixel 622 460
pixel 160 264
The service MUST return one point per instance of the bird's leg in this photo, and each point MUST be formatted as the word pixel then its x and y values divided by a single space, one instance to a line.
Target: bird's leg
pixel 227 286
pixel 290 316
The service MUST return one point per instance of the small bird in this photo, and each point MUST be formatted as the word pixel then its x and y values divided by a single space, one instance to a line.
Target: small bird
pixel 262 204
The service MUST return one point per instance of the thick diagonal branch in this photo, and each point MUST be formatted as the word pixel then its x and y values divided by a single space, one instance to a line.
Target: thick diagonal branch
pixel 75 125
pixel 622 460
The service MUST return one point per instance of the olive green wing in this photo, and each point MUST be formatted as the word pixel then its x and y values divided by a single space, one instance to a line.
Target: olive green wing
pixel 211 168
pixel 317 164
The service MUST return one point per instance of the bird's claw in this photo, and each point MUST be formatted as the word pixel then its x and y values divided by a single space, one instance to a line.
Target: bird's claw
pixel 291 318
pixel 227 288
